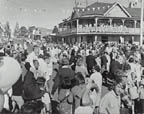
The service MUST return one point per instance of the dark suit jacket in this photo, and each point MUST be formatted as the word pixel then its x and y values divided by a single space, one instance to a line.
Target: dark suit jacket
pixel 90 61
pixel 62 74
pixel 17 88
pixel 104 61
pixel 31 89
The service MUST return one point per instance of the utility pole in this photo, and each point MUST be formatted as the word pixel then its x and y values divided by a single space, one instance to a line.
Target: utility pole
pixel 75 3
pixel 86 3
pixel 141 29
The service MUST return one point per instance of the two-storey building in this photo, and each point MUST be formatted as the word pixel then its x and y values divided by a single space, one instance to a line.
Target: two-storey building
pixel 101 22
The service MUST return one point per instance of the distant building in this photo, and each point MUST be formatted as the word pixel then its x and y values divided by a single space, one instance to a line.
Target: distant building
pixel 104 22
pixel 41 32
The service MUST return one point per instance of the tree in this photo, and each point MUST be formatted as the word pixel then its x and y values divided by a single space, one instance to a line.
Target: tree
pixel 7 30
pixel 23 31
pixel 1 29
pixel 55 30
pixel 17 30
pixel 31 28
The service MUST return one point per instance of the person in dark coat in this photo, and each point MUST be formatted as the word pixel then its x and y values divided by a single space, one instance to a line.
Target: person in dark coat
pixel 73 60
pixel 115 65
pixel 32 90
pixel 90 61
pixel 104 61
pixel 17 90
pixel 63 82
pixel 142 59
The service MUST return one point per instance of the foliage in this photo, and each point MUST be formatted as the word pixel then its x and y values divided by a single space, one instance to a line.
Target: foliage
pixel 7 30
pixel 16 30
pixel 31 28
pixel 55 30
pixel 23 31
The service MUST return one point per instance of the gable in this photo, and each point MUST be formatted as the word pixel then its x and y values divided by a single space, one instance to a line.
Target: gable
pixel 116 12
pixel 75 14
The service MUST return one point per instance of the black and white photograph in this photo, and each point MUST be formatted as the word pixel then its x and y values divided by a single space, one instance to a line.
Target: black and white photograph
pixel 71 56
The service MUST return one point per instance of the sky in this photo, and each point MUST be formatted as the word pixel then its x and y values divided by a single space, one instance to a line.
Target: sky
pixel 40 13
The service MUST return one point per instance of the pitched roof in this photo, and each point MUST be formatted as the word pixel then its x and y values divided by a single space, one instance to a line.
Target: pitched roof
pixel 96 8
pixel 122 7
pixel 134 12
pixel 99 8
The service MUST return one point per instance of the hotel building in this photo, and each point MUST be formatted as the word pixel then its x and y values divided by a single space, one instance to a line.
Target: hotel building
pixel 101 22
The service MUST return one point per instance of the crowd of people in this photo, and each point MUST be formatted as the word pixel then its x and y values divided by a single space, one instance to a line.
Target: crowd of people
pixel 73 76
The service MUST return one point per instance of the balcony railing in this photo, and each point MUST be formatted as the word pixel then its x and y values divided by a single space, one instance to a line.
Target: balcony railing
pixel 68 31
pixel 109 29
pixel 101 30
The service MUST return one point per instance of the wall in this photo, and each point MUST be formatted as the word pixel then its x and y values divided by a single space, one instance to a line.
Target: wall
pixel 79 39
pixel 117 38
pixel 113 38
pixel 99 38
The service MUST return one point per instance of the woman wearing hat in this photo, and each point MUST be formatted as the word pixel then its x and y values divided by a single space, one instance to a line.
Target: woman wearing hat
pixel 63 82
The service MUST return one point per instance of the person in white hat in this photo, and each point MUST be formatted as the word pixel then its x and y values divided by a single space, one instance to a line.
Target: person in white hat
pixel 33 55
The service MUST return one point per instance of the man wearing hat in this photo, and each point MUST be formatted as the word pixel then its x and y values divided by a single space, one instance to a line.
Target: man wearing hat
pixel 33 55
pixel 90 61
pixel 63 83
